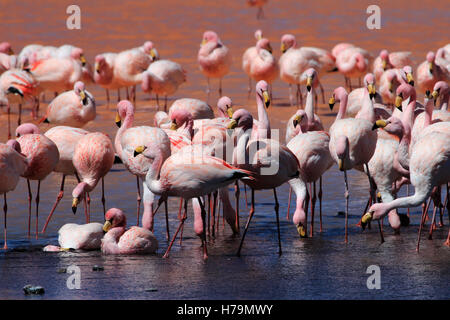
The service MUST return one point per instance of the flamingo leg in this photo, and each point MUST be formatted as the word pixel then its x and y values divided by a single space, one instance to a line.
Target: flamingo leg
pixel 320 202
pixel 237 193
pixel 407 194
pixel 118 94
pixel 166 209
pixel 322 92
pixel 37 207
pixel 182 227
pixel 422 222
pixel 8 109
pixel 291 96
pixel 103 197
pixel 277 206
pixel 249 89
pixel 432 225
pixel 250 216
pixel 289 203
pixel 157 101
pixel 165 103
pixel 107 97
pixel 313 206
pixel 208 89
pixel 214 213
pixel 128 94
pixel 447 242
pixel 30 197
pixel 245 196
pixel 133 92
pixel 220 87
pixel 209 215
pixel 205 247
pixel 347 196
pixel 166 255
pixel 19 120
pixel 88 202
pixel 58 199
pixel 5 210
pixel 138 199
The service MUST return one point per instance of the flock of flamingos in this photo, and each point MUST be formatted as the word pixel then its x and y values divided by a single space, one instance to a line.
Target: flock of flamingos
pixel 194 154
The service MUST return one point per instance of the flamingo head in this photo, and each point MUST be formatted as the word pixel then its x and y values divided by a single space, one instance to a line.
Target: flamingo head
pixel 404 91
pixel 393 125
pixel 100 63
pixel 311 77
pixel 369 82
pixel 180 117
pixel 14 144
pixel 287 41
pixel 342 146
pixel 124 108
pixel 241 119
pixel 225 107
pixel 27 128
pixel 440 89
pixel 262 90
pixel 430 59
pixel 78 54
pixel 149 49
pixel 264 44
pixel 258 34
pixel 114 218
pixel 5 47
pixel 301 119
pixel 384 55
pixel 210 36
pixel 376 211
pixel 80 90
pixel 339 94
pixel 407 71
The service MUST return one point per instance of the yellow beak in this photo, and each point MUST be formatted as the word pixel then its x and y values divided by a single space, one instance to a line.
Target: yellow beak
pixel 75 202
pixel 173 126
pixel 390 86
pixel 269 48
pixel 435 94
pixel 366 218
pixel 341 164
pixel 331 102
pixel 82 95
pixel 107 226
pixel 232 124
pixel 283 48
pixel 430 67
pixel 266 99
pixel 230 112
pixel 410 79
pixel 398 102
pixel 204 42
pixel 118 120
pixel 380 124
pixel 139 150
pixel 308 83
pixel 297 120
pixel 371 89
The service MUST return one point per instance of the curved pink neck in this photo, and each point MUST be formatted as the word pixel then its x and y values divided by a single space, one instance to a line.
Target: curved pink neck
pixel 309 109
pixel 127 123
pixel 429 106
pixel 263 118
pixel 342 105
pixel 444 101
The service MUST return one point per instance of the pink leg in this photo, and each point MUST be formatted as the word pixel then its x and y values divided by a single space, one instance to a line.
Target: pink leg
pixel 422 222
pixel 58 199
pixel 103 197
pixel 8 109
pixel 5 210
pixel 29 207
pixel 167 219
pixel 37 207
pixel 277 206
pixel 250 216
pixel 289 203
pixel 237 193
pixel 166 255
pixel 320 203
pixel 204 243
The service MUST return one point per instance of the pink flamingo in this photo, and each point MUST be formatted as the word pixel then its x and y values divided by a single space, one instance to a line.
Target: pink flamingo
pixel 197 108
pixel 262 65
pixel 5 47
pixel 294 61
pixel 352 140
pixel 214 58
pixel 78 237
pixel 296 124
pixel 386 61
pixel 248 56
pixel 312 151
pixel 72 108
pixel 337 49
pixel 259 4
pixel 443 57
pixel 314 123
pixel 163 77
pixel 186 175
pixel 15 87
pixel 13 165
pixel 7 62
pixel 42 155
pixel 92 159
pixel 127 139
pixel 353 62
pixel 117 240
pixel 104 74
pixel 65 138
pixel 428 73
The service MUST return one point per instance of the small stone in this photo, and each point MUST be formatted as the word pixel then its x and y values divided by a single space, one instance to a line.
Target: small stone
pixel 341 214
pixel 151 290
pixel 97 268
pixel 30 289
pixel 62 270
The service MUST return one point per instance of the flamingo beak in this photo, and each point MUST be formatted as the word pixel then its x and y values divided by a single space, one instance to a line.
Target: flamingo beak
pixel 430 67
pixel 435 95
pixel 410 79
pixel 398 103
pixel 331 103
pixel 82 95
pixel 341 164
pixel 203 42
pixel 372 90
pixel 118 120
pixel 139 150
pixel 283 48
pixel 83 60
pixel 107 226
pixel 384 64
pixel 153 54
pixel 173 126
pixel 366 219
pixel 232 124
pixel 266 99
pixel 230 112
pixel 297 120
pixel 380 124
pixel 308 84
pixel 75 203
pixel 301 230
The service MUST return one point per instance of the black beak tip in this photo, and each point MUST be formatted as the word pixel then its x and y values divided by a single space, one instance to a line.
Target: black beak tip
pixel 74 210
pixel 119 123
pixel 295 122
pixel 308 88
pixel 135 154
pixel 331 106
pixel 411 83
pixel 374 127
pixel 46 121
pixel 372 95
pixel 400 108
pixel 117 159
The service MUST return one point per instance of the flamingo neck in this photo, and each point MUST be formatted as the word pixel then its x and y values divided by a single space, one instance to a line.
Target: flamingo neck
pixel 309 109
pixel 416 199
pixel 367 111
pixel 444 101
pixel 428 112
pixel 263 119
pixel 342 106
pixel 111 239
pixel 127 123
pixel 403 147
pixel 153 184
pixel 241 156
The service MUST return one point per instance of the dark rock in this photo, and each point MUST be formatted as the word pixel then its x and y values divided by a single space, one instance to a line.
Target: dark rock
pixel 97 268
pixel 30 289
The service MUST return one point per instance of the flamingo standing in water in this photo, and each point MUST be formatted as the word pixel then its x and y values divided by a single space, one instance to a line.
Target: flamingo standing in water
pixel 117 240
pixel 15 87
pixel 42 155
pixel 429 72
pixel 65 138
pixel 214 58
pixel 248 56
pixel 104 73
pixel 187 175
pixel 163 77
pixel 352 140
pixel 197 108
pixel 386 61
pixel 72 108
pixel 353 62
pixel 261 65
pixel 129 138
pixel 259 4
pixel 13 165
pixel 78 237
pixel 93 157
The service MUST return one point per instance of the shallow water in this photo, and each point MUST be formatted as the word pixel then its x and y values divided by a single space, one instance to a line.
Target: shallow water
pixel 321 267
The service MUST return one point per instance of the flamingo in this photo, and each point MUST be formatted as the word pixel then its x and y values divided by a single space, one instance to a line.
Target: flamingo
pixel 78 237
pixel 353 62
pixel 386 61
pixel 312 151
pixel 163 77
pixel 214 58
pixel 352 140
pixel 187 175
pixel 314 123
pixel 443 57
pixel 117 240
pixel 262 65
pixel 197 108
pixel 13 165
pixel 5 47
pixel 294 61
pixel 73 108
pixel 337 49
pixel 127 139
pixel 65 138
pixel 15 87
pixel 429 72
pixel 104 73
pixel 42 155
pixel 259 4
pixel 249 54
pixel 93 157
pixel 7 62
